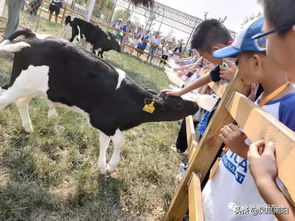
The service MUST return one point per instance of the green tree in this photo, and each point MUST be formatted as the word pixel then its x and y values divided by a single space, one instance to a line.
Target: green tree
pixel 250 18
pixel 104 8
pixel 121 13
pixel 180 41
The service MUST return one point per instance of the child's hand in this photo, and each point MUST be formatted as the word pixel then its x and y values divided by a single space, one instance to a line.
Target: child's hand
pixel 228 73
pixel 234 139
pixel 262 162
pixel 176 93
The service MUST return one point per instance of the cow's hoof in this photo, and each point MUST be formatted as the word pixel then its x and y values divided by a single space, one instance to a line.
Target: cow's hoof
pixel 29 130
pixel 103 171
pixel 110 170
pixel 102 168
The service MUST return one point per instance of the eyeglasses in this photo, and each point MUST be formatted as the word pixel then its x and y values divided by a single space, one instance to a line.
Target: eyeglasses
pixel 283 28
pixel 261 43
pixel 260 38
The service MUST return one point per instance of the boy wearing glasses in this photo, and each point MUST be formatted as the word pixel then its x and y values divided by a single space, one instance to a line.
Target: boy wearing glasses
pixel 232 172
pixel 279 31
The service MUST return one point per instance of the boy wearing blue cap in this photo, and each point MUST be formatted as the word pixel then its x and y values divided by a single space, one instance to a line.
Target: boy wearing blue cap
pixel 232 173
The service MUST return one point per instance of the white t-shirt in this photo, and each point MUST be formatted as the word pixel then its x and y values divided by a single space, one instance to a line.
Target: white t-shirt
pixel 165 51
pixel 195 76
pixel 117 26
pixel 233 185
pixel 174 56
pixel 155 41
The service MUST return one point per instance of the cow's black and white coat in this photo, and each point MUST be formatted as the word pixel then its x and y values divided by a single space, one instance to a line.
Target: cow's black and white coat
pixel 82 30
pixel 66 74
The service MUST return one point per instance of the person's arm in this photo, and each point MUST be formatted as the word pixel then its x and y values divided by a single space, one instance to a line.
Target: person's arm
pixel 191 68
pixel 186 67
pixel 181 60
pixel 262 164
pixel 206 79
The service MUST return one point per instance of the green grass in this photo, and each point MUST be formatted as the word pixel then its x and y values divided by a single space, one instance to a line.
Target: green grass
pixel 52 174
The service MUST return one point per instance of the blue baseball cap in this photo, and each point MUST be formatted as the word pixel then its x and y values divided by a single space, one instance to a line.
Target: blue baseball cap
pixel 243 41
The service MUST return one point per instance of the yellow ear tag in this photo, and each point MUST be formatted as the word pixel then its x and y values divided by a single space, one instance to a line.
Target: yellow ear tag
pixel 109 38
pixel 149 107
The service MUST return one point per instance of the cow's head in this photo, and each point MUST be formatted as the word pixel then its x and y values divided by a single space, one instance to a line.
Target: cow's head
pixel 146 3
pixel 111 43
pixel 69 19
pixel 165 107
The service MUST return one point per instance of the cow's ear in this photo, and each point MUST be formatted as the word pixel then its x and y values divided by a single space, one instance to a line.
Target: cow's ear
pixel 148 100
pixel 152 91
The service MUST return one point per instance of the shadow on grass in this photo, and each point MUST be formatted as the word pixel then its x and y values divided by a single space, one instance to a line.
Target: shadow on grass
pixel 26 196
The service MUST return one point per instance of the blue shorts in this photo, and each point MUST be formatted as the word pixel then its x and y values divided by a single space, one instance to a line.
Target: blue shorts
pixel 141 46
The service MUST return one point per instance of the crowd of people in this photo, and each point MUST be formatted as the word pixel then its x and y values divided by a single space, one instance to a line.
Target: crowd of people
pixel 143 40
pixel 245 175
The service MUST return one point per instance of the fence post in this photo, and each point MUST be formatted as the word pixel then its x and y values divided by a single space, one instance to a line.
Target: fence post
pixel 195 199
pixel 63 15
pixel 2 7
pixel 39 17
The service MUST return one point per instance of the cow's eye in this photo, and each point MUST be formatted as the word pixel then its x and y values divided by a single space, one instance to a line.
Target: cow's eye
pixel 178 104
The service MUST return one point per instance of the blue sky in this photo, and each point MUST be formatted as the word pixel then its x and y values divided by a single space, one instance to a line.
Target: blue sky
pixel 235 10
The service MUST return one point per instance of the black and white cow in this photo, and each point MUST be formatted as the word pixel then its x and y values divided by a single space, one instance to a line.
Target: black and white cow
pixel 66 74
pixel 82 30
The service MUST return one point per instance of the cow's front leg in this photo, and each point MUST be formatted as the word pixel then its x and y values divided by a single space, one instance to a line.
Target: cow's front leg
pixel 104 142
pixel 99 52
pixel 67 29
pixel 93 51
pixel 72 38
pixel 118 141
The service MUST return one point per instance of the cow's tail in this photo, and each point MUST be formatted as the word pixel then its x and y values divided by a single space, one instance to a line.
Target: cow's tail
pixel 25 32
pixel 8 47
